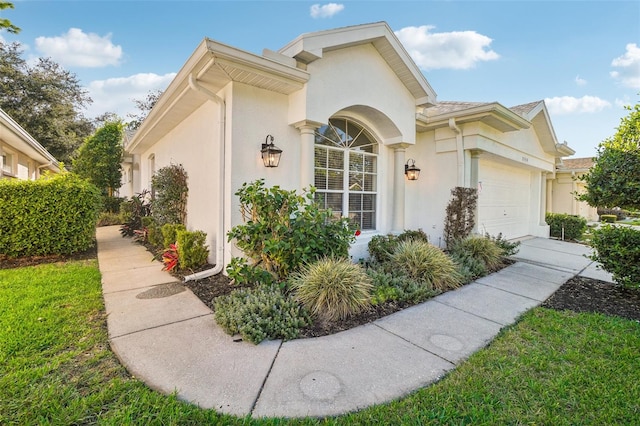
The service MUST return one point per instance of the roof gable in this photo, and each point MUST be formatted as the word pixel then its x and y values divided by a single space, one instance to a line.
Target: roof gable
pixel 311 46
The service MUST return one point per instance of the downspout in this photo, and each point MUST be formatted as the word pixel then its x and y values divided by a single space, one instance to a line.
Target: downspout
pixel 459 150
pixel 193 84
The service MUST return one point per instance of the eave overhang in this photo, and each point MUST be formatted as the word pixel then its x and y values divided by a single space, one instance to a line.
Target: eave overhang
pixel 215 65
pixel 491 114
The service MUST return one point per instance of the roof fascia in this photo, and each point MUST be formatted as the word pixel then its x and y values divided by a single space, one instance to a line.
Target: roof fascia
pixel 34 148
pixel 475 113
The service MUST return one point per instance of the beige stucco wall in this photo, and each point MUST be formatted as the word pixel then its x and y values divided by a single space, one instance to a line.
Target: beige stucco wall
pixel 563 199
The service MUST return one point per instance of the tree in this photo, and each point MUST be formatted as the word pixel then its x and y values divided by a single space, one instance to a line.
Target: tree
pixel 100 158
pixel 614 179
pixel 145 106
pixel 45 100
pixel 6 24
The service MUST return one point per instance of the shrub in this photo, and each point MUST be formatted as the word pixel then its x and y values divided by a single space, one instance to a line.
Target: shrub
pixel 169 204
pixel 608 218
pixel 112 204
pixel 469 267
pixel 481 248
pixel 132 212
pixel 617 248
pixel 426 263
pixel 460 214
pixel 574 226
pixel 154 233
pixel 260 313
pixel 382 246
pixel 51 215
pixel 108 219
pixel 242 273
pixel 387 287
pixel 508 248
pixel 332 289
pixel 170 233
pixel 618 213
pixel 283 231
pixel 192 249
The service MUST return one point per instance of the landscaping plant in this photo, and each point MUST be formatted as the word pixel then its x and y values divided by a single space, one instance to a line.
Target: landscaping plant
pixel 192 249
pixel 241 273
pixel 460 214
pixel 132 212
pixel 480 248
pixel 382 246
pixel 283 230
pixel 509 248
pixel 399 288
pixel 261 313
pixel 427 264
pixel 169 204
pixel 573 226
pixel 617 248
pixel 332 289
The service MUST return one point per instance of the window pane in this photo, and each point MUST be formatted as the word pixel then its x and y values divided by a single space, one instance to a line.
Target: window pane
pixel 334 202
pixel 368 220
pixel 336 159
pixel 335 180
pixel 370 164
pixel 369 183
pixel 356 181
pixel 368 202
pixel 320 157
pixel 355 202
pixel 320 180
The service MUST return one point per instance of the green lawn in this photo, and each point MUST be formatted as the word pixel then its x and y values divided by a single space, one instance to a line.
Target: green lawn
pixel 551 368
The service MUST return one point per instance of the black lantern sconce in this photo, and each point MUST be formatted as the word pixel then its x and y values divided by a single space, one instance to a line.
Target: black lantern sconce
pixel 270 153
pixel 411 170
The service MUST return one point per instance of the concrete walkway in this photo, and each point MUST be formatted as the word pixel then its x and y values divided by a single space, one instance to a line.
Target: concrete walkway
pixel 167 337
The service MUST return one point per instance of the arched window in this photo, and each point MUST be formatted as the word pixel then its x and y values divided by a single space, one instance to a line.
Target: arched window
pixel 345 170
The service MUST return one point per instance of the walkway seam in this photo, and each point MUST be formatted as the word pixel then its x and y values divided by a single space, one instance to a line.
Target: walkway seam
pixel 158 326
pixel 264 382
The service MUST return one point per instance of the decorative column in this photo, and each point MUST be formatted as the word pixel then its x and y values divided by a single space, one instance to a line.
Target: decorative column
pixel 543 199
pixel 397 218
pixel 475 183
pixel 549 206
pixel 307 140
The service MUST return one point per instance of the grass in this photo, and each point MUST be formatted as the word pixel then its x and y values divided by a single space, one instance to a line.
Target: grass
pixel 550 368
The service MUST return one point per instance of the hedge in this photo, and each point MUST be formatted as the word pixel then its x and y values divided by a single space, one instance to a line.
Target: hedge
pixel 52 215
pixel 574 226
pixel 617 248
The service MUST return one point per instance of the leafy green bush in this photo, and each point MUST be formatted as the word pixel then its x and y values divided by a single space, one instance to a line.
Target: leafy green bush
pixel 154 232
pixel 192 249
pixel 52 215
pixel 171 190
pixel 108 219
pixel 426 263
pixel 242 273
pixel 608 218
pixel 170 233
pixel 132 211
pixel 382 246
pixel 260 313
pixel 112 204
pixel 617 248
pixel 508 248
pixel 387 287
pixel 332 289
pixel 574 226
pixel 283 231
pixel 481 248
pixel 620 214
pixel 469 267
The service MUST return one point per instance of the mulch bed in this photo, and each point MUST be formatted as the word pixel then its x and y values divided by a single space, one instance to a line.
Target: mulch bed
pixel 579 294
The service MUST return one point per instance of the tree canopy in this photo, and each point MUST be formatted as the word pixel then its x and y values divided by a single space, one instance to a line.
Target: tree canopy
pixel 100 158
pixel 6 24
pixel 614 179
pixel 45 99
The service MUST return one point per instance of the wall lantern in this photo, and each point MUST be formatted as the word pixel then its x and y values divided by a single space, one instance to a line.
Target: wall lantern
pixel 270 153
pixel 411 170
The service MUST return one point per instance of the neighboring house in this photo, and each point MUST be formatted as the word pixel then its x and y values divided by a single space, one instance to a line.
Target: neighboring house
pixel 566 185
pixel 350 111
pixel 21 156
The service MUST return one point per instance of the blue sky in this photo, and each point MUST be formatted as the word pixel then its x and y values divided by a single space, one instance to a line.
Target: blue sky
pixel 581 57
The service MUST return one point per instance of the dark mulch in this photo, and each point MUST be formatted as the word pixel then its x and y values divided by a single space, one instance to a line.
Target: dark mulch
pixel 581 294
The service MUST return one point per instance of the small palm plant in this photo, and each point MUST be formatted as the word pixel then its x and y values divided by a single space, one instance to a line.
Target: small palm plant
pixel 426 263
pixel 332 289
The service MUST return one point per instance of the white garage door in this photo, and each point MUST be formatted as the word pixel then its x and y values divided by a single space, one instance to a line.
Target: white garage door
pixel 504 199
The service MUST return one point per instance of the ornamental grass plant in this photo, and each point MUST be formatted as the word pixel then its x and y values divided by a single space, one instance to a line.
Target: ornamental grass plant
pixel 426 263
pixel 332 289
pixel 480 248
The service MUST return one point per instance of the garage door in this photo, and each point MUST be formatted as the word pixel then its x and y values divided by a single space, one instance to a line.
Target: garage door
pixel 504 199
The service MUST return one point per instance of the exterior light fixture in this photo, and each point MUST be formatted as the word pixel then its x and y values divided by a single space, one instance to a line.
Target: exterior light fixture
pixel 270 153
pixel 411 170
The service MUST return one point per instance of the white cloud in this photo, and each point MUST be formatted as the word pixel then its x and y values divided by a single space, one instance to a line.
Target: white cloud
pixel 77 48
pixel 628 67
pixel 456 50
pixel 117 94
pixel 326 10
pixel 570 105
pixel 580 81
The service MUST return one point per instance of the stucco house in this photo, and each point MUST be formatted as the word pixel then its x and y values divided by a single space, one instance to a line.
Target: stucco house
pixel 351 112
pixel 567 184
pixel 21 156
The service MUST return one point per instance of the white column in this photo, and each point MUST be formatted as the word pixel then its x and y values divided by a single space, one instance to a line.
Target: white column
pixel 543 198
pixel 474 183
pixel 399 183
pixel 549 206
pixel 307 141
